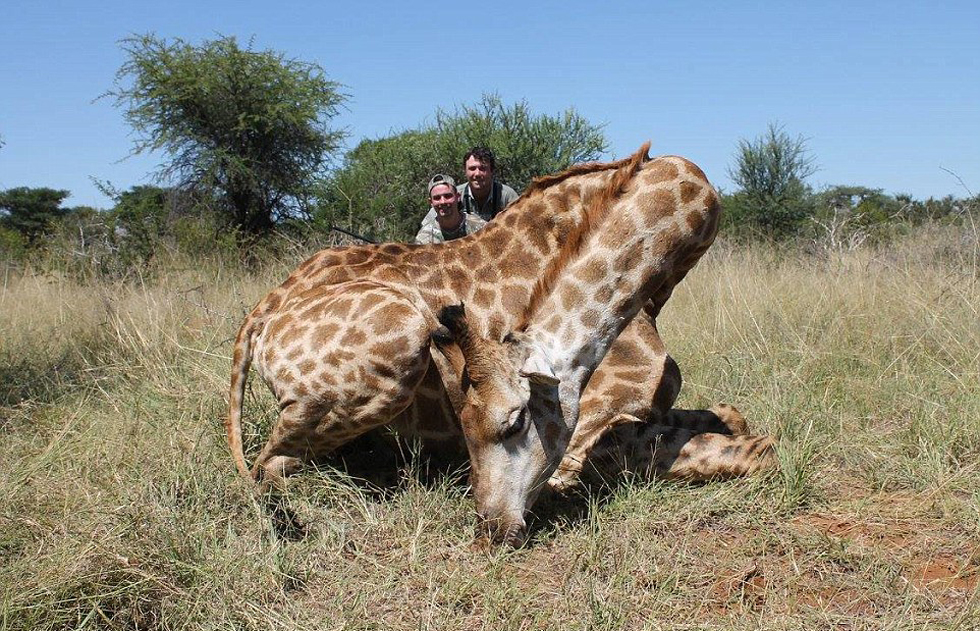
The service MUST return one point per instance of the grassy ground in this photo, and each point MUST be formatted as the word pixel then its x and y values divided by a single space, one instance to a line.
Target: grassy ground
pixel 121 509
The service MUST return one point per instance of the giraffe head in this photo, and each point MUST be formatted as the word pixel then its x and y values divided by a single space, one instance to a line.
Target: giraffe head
pixel 512 423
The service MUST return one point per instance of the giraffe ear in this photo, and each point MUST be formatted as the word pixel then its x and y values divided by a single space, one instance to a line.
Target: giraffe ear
pixel 537 368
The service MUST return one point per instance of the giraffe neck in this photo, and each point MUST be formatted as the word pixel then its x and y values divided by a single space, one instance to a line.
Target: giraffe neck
pixel 648 239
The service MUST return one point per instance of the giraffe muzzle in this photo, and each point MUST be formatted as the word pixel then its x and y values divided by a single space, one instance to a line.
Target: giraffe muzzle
pixel 501 531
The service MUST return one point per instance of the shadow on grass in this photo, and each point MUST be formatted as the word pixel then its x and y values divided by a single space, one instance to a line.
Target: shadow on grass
pixel 379 468
pixel 26 380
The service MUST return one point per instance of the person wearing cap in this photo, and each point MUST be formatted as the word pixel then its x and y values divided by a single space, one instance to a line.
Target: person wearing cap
pixel 445 221
pixel 483 194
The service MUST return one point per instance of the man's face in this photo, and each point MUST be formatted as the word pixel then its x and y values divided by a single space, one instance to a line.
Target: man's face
pixel 445 201
pixel 479 175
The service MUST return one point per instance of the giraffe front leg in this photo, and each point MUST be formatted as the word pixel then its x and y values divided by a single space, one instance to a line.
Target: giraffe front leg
pixel 701 456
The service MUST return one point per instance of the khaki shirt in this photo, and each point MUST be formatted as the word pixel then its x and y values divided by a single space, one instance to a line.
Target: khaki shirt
pixel 501 196
pixel 432 233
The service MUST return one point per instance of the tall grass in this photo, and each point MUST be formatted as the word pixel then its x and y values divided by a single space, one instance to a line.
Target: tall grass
pixel 121 508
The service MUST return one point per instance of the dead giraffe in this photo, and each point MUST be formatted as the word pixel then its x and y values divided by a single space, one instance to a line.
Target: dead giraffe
pixel 523 389
pixel 343 342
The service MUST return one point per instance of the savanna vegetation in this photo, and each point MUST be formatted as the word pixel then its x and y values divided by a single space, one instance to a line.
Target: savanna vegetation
pixel 843 321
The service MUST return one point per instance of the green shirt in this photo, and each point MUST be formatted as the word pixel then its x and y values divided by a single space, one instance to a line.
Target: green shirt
pixel 500 197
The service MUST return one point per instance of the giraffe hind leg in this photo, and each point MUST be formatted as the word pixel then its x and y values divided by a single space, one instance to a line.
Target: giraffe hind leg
pixel 342 361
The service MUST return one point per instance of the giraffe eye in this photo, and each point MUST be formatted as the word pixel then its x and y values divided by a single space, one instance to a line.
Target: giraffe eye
pixel 516 425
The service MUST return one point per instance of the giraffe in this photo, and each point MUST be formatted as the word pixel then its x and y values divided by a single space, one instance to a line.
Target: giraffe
pixel 523 389
pixel 343 342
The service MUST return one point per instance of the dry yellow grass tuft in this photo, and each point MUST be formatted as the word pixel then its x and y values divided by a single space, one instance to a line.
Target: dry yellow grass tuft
pixel 121 507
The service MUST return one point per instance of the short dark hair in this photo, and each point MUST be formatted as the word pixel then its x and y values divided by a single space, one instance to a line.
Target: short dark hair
pixel 483 154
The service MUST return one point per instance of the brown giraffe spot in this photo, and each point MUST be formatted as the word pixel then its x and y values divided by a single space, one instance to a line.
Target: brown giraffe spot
pixel 353 337
pixel 426 257
pixel 695 221
pixel 598 378
pixel 591 318
pixel 627 260
pixel 289 282
pixel 660 171
pixel 342 307
pixel 569 335
pixel 666 242
pixel 518 264
pixel 627 353
pixel 273 301
pixel 693 169
pixel 571 297
pixel 538 239
pixel 594 271
pixel 553 323
pixel 306 366
pixel 604 294
pixel 369 301
pixel 689 191
pixel 385 370
pixel 459 281
pixel 314 311
pixel 391 317
pixel 324 334
pixel 658 205
pixel 285 375
pixel 389 349
pixel 291 356
pixel 484 297
pixel 633 376
pixel 435 281
pixel 393 248
pixel 488 273
pixel 291 336
pixel 357 257
pixel 514 298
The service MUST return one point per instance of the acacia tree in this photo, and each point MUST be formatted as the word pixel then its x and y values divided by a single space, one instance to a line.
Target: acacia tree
pixel 250 125
pixel 31 211
pixel 771 172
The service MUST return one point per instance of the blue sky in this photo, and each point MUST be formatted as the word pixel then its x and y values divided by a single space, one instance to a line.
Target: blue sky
pixel 888 93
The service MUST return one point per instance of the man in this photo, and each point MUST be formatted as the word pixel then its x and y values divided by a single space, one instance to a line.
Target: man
pixel 445 221
pixel 482 194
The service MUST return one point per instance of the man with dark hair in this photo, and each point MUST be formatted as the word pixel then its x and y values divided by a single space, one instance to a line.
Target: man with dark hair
pixel 445 221
pixel 482 194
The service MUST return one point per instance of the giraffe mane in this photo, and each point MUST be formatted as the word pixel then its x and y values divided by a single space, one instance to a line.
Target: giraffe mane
pixel 595 214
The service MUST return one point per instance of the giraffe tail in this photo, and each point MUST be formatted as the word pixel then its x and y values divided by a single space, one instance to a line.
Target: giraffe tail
pixel 241 362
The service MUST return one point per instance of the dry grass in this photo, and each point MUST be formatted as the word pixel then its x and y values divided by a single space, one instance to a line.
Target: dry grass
pixel 121 508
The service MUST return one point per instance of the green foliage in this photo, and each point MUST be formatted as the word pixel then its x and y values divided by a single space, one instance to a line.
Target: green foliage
pixel 31 211
pixel 139 222
pixel 250 125
pixel 380 189
pixel 13 245
pixel 526 146
pixel 770 171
